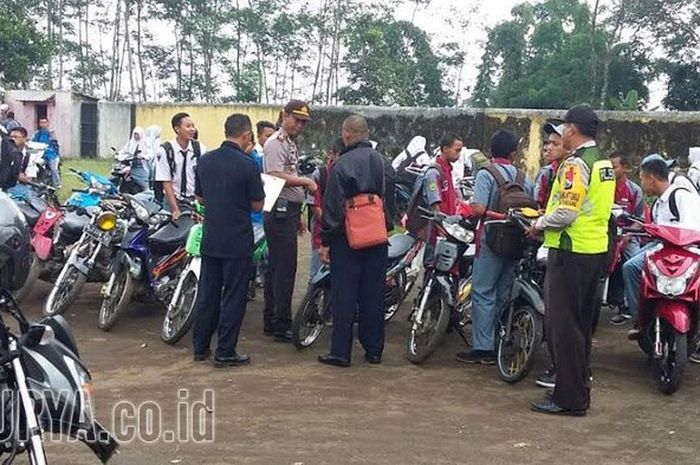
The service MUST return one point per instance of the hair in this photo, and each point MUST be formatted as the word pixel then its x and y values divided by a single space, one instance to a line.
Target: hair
pixel 624 159
pixel 11 114
pixel 503 143
pixel 587 131
pixel 265 125
pixel 657 168
pixel 177 119
pixel 448 140
pixel 356 124
pixel 21 130
pixel 44 118
pixel 236 125
pixel 337 146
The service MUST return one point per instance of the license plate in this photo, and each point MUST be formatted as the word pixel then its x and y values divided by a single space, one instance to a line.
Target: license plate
pixel 94 232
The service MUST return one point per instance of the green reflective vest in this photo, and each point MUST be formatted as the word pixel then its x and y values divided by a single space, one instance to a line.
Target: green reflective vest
pixel 588 234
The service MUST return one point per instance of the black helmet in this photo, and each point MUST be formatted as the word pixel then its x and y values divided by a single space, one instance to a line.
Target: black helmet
pixel 15 257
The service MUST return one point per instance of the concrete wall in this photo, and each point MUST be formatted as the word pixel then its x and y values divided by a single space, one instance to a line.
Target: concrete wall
pixel 114 127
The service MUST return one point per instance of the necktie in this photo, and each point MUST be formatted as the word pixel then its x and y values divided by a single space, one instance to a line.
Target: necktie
pixel 183 180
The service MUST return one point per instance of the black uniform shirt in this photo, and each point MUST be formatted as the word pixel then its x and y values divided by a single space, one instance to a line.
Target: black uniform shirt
pixel 229 181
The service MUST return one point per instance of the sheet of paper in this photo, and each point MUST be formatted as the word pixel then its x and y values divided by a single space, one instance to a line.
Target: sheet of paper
pixel 272 186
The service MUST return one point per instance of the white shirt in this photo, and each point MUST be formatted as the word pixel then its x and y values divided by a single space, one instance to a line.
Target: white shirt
pixel 259 149
pixel 163 168
pixel 688 204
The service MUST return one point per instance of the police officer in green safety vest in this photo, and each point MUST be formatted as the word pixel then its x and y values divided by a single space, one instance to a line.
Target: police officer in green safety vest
pixel 575 226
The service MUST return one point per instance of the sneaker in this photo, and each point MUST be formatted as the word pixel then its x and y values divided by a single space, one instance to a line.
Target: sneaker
pixel 548 379
pixel 633 334
pixel 695 356
pixel 620 318
pixel 484 357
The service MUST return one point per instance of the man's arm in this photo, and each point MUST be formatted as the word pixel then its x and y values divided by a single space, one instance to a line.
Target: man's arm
pixel 431 189
pixel 574 178
pixel 256 193
pixel 333 200
pixel 171 199
pixel 275 157
pixel 483 185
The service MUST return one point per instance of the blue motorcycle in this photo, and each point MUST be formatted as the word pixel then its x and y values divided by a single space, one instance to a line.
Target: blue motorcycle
pixel 148 260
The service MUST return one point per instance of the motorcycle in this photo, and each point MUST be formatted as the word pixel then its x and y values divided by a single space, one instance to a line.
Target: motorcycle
pixel 148 260
pixel 46 388
pixel 88 258
pixel 314 310
pixel 121 174
pixel 444 302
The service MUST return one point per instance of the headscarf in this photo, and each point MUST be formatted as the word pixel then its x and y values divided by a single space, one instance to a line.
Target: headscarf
pixel 416 146
pixel 694 155
pixel 153 138
pixel 138 147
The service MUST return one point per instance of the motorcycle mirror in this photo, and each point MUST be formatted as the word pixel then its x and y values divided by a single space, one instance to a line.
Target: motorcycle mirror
pixel 37 335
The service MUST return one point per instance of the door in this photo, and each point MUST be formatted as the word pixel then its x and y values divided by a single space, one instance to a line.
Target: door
pixel 88 129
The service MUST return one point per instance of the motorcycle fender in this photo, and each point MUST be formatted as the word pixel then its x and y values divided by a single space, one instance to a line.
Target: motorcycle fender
pixel 42 246
pixel 444 287
pixel 121 258
pixel 196 266
pixel 676 313
pixel 529 293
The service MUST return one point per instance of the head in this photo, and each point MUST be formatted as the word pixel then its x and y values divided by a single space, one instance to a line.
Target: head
pixel 19 137
pixel 335 149
pixel 295 116
pixel 504 144
pixel 10 115
pixel 621 164
pixel 451 148
pixel 265 130
pixel 43 123
pixel 183 126
pixel 416 145
pixel 580 126
pixel 354 130
pixel 4 108
pixel 694 155
pixel 238 129
pixel 138 134
pixel 653 175
pixel 553 147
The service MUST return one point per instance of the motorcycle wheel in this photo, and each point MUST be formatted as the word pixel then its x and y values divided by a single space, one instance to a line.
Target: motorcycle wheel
pixel 64 292
pixel 394 296
pixel 179 318
pixel 116 303
pixel 311 318
pixel 32 277
pixel 674 358
pixel 517 353
pixel 422 340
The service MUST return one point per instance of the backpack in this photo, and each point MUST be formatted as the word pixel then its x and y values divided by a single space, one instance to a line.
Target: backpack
pixel 170 157
pixel 403 176
pixel 673 203
pixel 686 177
pixel 415 223
pixel 508 240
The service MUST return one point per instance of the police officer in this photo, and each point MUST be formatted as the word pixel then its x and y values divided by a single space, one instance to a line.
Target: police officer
pixel 283 223
pixel 575 228
pixel 357 276
pixel 228 183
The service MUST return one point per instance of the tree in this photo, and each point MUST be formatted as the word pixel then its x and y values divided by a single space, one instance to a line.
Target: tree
pixel 23 49
pixel 683 87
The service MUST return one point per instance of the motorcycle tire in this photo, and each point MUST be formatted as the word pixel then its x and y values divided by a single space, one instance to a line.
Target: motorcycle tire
pixel 178 320
pixel 517 354
pixel 32 278
pixel 117 302
pixel 397 295
pixel 671 365
pixel 423 340
pixel 65 290
pixel 312 316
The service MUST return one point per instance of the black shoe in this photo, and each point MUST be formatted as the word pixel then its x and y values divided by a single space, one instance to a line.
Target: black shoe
pixel 268 332
pixel 285 337
pixel 251 293
pixel 633 334
pixel 548 379
pixel 484 357
pixel 549 407
pixel 330 359
pixel 202 357
pixel 373 359
pixel 235 361
pixel 620 319
pixel 695 356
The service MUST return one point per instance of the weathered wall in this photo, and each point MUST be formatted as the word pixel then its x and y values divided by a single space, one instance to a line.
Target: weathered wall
pixel 635 133
pixel 114 126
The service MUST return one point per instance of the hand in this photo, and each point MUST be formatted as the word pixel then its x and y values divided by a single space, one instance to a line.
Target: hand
pixel 533 232
pixel 311 186
pixel 301 229
pixel 325 255
pixel 176 214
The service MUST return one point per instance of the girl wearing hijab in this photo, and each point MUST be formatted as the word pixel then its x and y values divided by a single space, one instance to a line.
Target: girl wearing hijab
pixel 141 154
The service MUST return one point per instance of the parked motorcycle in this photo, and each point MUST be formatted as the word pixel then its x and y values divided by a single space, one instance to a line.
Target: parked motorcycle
pixel 148 260
pixel 46 388
pixel 315 312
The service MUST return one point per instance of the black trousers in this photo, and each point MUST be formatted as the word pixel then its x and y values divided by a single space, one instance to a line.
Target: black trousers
pixel 281 236
pixel 357 287
pixel 221 303
pixel 571 295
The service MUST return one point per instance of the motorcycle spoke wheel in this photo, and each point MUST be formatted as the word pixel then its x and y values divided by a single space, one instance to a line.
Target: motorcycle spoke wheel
pixel 310 320
pixel 180 317
pixel 516 353
pixel 671 365
pixel 423 339
pixel 114 304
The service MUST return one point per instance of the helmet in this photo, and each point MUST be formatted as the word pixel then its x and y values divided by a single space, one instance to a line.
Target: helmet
pixel 15 257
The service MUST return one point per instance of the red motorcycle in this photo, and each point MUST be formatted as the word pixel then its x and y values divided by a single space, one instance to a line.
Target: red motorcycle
pixel 668 306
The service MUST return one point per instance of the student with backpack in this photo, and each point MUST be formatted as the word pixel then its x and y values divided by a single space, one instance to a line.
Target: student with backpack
pixel 496 188
pixel 176 165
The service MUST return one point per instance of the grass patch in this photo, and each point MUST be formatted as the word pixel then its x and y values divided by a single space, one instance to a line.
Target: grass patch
pixel 70 181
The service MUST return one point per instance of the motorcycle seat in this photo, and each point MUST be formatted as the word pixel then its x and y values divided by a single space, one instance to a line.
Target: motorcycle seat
pixel 170 237
pixel 30 213
pixel 399 244
pixel 73 223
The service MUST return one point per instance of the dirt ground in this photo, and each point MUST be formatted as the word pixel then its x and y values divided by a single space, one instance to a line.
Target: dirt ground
pixel 285 408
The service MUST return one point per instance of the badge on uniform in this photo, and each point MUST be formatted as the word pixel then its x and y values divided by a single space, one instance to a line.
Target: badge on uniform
pixel 569 178
pixel 432 187
pixel 607 174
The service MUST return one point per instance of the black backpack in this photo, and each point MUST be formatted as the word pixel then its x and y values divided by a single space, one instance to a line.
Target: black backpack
pixel 403 176
pixel 508 240
pixel 673 203
pixel 415 223
pixel 170 157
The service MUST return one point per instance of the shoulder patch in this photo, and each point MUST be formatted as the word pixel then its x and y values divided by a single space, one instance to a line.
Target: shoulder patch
pixel 606 174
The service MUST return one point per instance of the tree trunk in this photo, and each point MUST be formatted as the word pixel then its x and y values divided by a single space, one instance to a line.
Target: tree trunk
pixel 116 46
pixel 139 53
pixel 129 54
pixel 594 57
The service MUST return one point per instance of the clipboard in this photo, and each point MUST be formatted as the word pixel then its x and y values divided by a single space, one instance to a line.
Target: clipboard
pixel 273 187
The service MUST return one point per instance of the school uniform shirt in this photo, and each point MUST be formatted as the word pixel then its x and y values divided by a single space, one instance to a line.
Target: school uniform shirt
pixel 282 156
pixel 183 158
pixel 439 188
pixel 688 203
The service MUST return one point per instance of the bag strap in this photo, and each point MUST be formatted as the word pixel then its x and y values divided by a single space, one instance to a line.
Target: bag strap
pixel 196 148
pixel 673 203
pixel 496 173
pixel 520 177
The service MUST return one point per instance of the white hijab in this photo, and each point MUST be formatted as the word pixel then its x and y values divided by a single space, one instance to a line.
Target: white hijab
pixel 141 144
pixel 416 146
pixel 694 155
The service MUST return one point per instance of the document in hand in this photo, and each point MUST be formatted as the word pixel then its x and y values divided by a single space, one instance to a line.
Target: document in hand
pixel 272 187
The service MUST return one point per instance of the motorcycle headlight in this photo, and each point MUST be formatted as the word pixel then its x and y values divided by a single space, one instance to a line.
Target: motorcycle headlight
pixel 458 232
pixel 106 221
pixel 86 389
pixel 672 287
